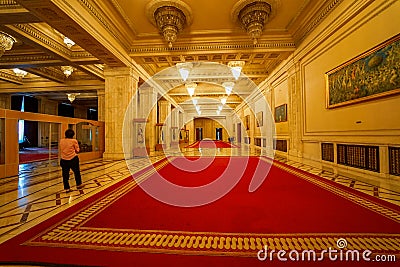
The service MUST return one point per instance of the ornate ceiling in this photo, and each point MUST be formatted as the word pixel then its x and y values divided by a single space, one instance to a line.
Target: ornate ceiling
pixel 122 33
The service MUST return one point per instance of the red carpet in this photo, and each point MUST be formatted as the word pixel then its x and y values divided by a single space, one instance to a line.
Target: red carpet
pixel 291 210
pixel 210 144
pixel 35 154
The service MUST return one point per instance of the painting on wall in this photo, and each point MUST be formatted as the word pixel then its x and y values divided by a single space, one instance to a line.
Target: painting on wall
pixel 259 119
pixel 375 73
pixel 247 122
pixel 281 113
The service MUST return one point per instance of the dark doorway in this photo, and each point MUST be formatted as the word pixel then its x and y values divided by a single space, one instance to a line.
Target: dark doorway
pixel 31 133
pixel 218 133
pixel 199 134
pixel 239 133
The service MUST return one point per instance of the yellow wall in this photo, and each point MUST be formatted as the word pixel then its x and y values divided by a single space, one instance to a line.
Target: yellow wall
pixel 350 30
pixel 209 128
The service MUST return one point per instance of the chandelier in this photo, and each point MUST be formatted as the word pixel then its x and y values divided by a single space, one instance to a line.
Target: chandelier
pixel 190 87
pixel 236 67
pixel 6 42
pixel 252 16
pixel 72 96
pixel 170 17
pixel 67 70
pixel 223 100
pixel 20 73
pixel 228 87
pixel 184 69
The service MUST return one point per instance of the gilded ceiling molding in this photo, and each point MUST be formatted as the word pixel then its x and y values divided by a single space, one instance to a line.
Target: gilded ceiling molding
pixel 84 55
pixel 306 30
pixel 42 38
pixel 121 11
pixel 88 5
pixel 10 77
pixel 27 59
pixel 49 73
pixel 9 4
pixel 288 46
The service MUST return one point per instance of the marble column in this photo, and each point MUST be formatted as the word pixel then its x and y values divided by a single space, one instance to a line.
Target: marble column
pixel 148 112
pixel 294 113
pixel 120 85
pixel 175 129
pixel 101 105
pixel 164 119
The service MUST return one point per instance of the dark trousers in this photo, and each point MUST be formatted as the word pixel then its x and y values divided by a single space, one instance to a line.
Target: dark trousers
pixel 73 164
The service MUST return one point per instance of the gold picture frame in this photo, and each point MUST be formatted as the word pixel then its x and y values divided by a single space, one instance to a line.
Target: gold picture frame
pixel 373 74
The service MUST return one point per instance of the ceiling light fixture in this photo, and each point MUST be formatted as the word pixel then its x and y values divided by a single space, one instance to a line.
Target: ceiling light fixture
pixel 67 70
pixel 68 42
pixel 191 87
pixel 228 87
pixel 194 101
pixel 184 69
pixel 252 16
pixel 72 96
pixel 236 68
pixel 6 42
pixel 223 100
pixel 20 73
pixel 170 17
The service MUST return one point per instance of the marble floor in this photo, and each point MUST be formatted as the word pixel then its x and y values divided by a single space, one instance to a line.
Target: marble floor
pixel 37 193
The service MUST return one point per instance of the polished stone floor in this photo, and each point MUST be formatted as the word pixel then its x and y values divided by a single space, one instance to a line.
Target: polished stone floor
pixel 37 193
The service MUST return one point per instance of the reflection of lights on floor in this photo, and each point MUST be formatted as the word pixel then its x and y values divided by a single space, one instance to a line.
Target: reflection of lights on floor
pixel 21 183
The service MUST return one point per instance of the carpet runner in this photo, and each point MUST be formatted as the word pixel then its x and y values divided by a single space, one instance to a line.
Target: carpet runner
pixel 210 144
pixel 291 210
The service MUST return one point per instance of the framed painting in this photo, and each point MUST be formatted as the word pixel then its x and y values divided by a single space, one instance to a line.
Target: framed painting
pixel 375 73
pixel 281 113
pixel 259 119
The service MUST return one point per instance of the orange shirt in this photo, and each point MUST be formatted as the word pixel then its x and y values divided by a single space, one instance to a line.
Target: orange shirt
pixel 69 148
